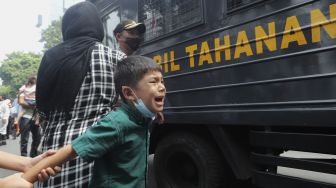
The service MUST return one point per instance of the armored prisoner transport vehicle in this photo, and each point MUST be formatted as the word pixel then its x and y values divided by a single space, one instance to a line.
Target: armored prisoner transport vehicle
pixel 251 89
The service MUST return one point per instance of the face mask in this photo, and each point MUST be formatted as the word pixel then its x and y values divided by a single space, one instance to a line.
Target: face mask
pixel 142 108
pixel 139 105
pixel 133 43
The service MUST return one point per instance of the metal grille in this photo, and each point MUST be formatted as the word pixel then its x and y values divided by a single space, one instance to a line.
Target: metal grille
pixel 164 16
pixel 233 4
pixel 110 22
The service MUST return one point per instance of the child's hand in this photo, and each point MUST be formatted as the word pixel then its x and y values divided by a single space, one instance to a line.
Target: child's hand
pixel 45 173
pixel 15 181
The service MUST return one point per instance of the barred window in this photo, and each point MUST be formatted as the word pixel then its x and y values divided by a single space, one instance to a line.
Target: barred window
pixel 234 4
pixel 164 16
pixel 110 22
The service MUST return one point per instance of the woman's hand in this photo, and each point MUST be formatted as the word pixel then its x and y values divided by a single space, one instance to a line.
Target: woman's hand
pixel 15 181
pixel 45 173
pixel 35 160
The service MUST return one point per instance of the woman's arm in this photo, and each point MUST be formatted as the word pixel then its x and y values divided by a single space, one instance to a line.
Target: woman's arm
pixel 13 162
pixel 19 163
pixel 61 156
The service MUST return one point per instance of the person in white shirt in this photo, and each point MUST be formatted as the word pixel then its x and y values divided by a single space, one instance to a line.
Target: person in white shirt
pixel 13 126
pixel 4 116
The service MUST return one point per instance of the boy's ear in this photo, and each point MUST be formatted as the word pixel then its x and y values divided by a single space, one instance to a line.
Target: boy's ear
pixel 127 93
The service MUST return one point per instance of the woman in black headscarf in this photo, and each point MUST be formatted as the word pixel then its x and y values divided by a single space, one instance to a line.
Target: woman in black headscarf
pixel 75 87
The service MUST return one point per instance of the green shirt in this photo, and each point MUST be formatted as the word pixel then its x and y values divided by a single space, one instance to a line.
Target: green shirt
pixel 118 144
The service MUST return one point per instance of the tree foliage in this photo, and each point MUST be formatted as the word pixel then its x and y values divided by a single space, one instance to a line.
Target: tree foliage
pixel 5 91
pixel 52 35
pixel 16 69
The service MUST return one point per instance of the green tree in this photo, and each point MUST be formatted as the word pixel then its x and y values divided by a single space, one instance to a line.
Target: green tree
pixel 16 69
pixel 52 35
pixel 5 91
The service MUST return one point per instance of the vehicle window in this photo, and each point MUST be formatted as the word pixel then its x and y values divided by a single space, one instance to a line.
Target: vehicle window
pixel 234 4
pixel 164 16
pixel 110 22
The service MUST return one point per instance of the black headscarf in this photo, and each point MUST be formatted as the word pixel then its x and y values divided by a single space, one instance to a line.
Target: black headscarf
pixel 64 66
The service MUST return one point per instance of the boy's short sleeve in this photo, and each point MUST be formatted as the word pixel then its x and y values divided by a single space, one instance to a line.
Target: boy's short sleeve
pixel 97 140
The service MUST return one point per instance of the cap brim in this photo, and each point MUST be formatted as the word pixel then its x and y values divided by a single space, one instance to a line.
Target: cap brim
pixel 139 26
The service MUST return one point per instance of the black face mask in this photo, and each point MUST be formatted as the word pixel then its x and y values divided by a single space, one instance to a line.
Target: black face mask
pixel 133 43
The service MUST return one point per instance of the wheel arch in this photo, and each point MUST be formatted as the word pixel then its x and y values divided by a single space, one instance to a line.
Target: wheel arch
pixel 161 131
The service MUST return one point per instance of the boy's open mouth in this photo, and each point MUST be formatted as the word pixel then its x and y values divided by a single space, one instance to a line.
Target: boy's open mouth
pixel 159 99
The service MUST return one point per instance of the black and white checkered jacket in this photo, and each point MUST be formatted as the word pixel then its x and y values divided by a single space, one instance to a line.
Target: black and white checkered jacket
pixel 95 99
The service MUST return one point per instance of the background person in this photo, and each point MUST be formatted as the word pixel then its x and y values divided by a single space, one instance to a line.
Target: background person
pixel 28 91
pixel 129 35
pixel 4 117
pixel 10 121
pixel 13 118
pixel 27 123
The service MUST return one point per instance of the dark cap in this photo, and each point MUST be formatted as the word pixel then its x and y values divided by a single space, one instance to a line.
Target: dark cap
pixel 129 24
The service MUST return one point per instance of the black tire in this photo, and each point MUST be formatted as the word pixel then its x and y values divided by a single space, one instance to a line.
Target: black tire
pixel 184 160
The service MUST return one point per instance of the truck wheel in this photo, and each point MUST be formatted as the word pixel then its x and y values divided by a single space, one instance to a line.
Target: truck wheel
pixel 184 160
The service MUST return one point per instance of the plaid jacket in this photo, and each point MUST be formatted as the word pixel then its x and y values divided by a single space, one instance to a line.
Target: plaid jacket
pixel 95 99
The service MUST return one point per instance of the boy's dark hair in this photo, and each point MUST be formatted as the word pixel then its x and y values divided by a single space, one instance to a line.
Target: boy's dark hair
pixel 131 70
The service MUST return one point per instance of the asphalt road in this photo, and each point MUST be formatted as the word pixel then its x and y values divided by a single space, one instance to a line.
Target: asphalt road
pixel 12 146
